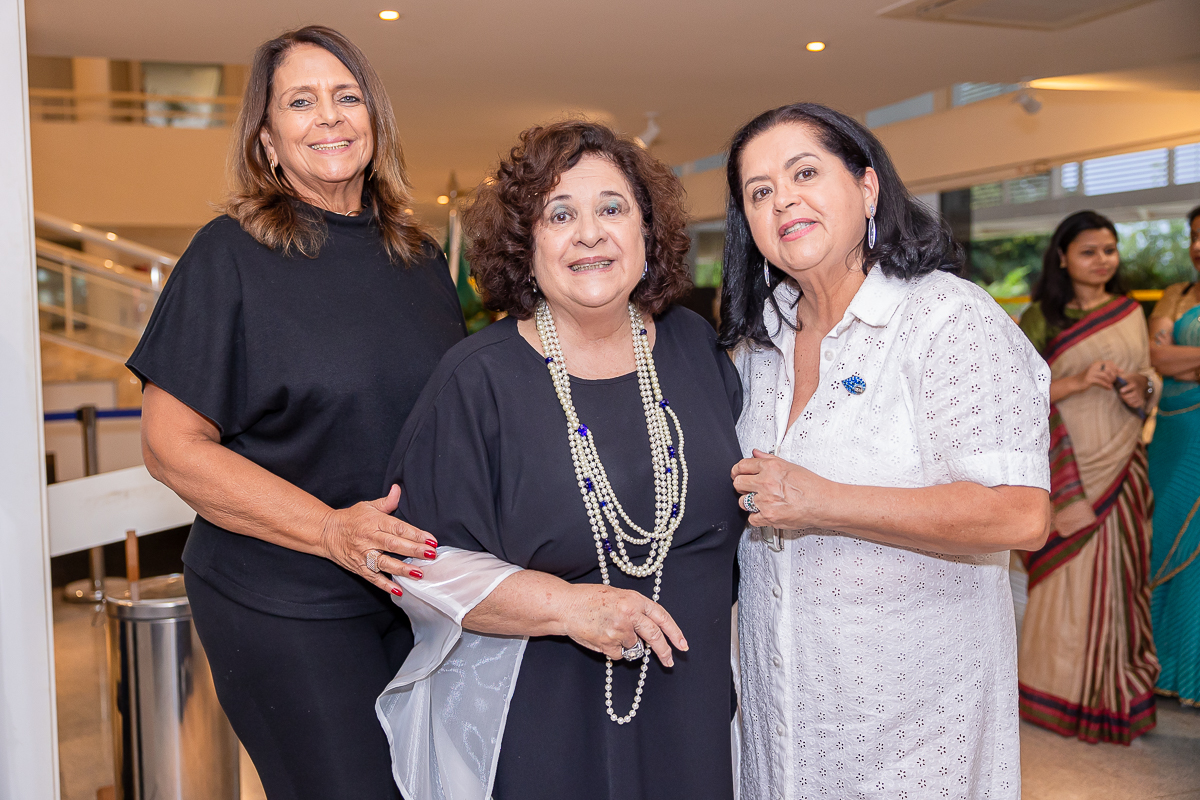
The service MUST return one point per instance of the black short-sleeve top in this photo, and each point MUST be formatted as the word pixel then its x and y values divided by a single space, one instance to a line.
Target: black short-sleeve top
pixel 309 368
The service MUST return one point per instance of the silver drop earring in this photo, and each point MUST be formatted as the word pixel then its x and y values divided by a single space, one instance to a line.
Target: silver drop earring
pixel 871 229
pixel 645 270
pixel 767 273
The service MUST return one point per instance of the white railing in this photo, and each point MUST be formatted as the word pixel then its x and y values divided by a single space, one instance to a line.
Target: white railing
pixel 94 304
pixel 158 262
pixel 132 108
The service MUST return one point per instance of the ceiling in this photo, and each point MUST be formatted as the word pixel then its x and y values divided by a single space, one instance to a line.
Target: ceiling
pixel 467 75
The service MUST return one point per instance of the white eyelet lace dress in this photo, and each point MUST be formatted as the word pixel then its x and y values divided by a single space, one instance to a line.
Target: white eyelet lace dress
pixel 872 671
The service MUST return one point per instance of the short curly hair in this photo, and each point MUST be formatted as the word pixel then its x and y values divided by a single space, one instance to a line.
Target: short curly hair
pixel 500 222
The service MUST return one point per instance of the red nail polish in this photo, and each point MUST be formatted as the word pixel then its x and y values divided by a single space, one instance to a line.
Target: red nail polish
pixel 430 554
pixel 397 592
pixel 431 542
pixel 416 573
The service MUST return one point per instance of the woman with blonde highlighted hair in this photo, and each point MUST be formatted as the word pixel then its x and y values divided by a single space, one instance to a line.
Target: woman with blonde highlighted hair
pixel 283 357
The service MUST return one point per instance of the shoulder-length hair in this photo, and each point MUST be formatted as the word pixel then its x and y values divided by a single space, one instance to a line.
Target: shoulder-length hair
pixel 262 199
pixel 1054 288
pixel 911 239
pixel 500 222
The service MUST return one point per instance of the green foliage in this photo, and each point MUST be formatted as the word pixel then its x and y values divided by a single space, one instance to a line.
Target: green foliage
pixel 1154 254
pixel 1009 264
pixel 708 272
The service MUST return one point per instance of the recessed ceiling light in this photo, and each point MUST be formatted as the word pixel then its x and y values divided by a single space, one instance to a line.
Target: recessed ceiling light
pixel 389 15
pixel 814 47
pixel 443 199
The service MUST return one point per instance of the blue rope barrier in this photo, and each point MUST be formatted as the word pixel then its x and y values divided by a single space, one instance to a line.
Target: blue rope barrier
pixel 110 413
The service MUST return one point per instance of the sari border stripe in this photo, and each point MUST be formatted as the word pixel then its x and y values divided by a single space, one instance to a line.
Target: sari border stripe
pixel 1108 314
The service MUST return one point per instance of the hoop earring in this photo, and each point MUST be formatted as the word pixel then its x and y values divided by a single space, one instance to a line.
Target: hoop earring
pixel 767 273
pixel 871 230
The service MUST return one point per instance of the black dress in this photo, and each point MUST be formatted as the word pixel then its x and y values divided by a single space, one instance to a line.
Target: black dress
pixel 485 465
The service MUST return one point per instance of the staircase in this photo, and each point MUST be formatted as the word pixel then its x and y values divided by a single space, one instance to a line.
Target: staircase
pixel 96 305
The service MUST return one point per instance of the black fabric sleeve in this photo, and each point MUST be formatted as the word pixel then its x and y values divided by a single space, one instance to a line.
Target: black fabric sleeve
pixel 445 462
pixel 194 347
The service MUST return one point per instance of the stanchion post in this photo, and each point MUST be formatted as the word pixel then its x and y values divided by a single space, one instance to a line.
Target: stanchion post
pixel 90 590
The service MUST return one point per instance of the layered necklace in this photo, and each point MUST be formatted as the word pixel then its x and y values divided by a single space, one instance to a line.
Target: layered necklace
pixel 604 510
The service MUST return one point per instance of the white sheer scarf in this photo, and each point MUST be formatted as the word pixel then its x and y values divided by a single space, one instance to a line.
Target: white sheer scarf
pixel 444 712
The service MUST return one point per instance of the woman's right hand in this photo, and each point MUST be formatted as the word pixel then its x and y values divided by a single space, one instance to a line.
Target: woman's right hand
pixel 349 534
pixel 1100 373
pixel 607 620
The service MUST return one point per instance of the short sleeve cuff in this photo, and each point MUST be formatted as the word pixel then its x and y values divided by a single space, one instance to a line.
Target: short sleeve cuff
pixel 1002 469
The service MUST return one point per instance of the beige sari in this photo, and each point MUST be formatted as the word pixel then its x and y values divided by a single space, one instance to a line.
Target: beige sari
pixel 1087 665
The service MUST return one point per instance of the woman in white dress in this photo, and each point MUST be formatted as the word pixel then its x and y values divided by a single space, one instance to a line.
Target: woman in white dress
pixel 907 418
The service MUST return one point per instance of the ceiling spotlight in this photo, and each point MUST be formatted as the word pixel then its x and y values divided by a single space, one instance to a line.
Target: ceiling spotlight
pixel 814 47
pixel 390 16
pixel 1029 103
pixel 443 199
pixel 408 211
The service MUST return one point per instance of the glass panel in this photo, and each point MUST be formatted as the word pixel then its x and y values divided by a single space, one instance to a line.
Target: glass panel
pixel 986 195
pixel 187 80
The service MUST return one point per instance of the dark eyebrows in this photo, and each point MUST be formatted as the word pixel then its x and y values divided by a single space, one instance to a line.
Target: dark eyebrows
pixel 791 162
pixel 605 193
pixel 338 88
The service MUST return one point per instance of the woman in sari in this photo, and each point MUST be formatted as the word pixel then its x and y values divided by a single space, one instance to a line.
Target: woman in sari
pixel 1175 475
pixel 1086 662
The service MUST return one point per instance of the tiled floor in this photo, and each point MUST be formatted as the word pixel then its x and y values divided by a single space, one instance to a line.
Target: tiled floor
pixel 1162 764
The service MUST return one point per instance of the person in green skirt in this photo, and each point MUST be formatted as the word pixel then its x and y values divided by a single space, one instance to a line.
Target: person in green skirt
pixel 1175 476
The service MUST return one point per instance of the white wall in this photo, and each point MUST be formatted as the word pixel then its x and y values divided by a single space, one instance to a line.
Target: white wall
pixel 28 749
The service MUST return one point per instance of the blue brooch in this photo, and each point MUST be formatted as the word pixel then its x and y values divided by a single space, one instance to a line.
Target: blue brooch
pixel 855 385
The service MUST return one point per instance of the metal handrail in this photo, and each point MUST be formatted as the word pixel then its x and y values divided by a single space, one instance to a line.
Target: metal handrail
pixel 125 107
pixel 134 96
pixel 107 269
pixel 161 262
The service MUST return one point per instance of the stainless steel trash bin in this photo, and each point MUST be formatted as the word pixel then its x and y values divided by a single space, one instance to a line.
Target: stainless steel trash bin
pixel 171 740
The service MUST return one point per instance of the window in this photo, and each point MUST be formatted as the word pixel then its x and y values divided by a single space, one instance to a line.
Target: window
pixel 963 93
pixel 1127 172
pixel 1187 163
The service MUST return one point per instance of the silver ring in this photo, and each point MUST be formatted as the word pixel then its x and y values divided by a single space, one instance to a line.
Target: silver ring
pixel 373 560
pixel 635 652
pixel 749 501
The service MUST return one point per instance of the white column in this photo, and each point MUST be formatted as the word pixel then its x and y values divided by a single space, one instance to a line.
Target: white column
pixel 28 741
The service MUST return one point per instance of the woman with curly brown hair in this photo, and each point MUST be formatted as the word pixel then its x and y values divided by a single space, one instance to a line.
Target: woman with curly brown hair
pixel 289 345
pixel 579 535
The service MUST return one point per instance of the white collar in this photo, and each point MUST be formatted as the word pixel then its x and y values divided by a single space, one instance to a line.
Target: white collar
pixel 874 303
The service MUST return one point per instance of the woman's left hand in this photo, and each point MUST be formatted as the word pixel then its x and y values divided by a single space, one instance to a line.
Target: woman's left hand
pixel 787 496
pixel 1134 390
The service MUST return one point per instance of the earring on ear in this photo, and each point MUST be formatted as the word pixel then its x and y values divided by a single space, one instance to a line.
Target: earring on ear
pixel 871 229
pixel 766 273
pixel 645 270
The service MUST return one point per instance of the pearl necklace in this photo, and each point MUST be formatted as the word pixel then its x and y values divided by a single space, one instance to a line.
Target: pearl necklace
pixel 603 508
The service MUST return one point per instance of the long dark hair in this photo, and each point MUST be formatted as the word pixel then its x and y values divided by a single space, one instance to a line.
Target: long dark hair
pixel 911 239
pixel 262 199
pixel 1054 288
